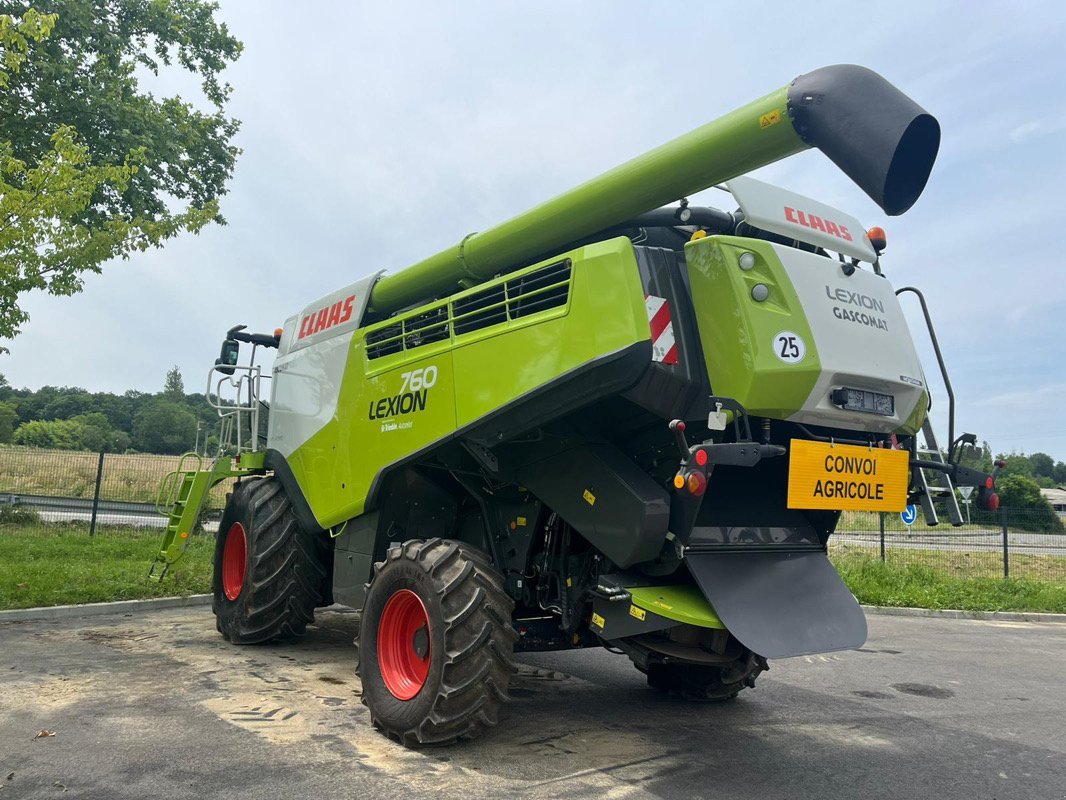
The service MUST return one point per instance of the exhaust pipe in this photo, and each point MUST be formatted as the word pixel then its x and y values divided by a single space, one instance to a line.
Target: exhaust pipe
pixel 877 135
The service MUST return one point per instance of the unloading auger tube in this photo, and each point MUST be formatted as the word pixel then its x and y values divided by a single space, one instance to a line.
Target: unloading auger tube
pixel 878 136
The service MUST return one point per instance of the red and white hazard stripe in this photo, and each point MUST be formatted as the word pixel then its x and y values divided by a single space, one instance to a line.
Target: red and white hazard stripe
pixel 663 346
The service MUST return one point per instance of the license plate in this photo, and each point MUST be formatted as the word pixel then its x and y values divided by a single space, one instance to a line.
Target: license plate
pixel 847 478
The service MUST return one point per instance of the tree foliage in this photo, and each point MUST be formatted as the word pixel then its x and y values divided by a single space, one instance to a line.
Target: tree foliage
pixel 92 167
pixel 1019 493
pixel 9 420
pixel 163 426
pixel 173 385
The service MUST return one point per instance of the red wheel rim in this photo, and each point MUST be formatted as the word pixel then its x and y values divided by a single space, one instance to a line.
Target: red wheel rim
pixel 403 644
pixel 234 560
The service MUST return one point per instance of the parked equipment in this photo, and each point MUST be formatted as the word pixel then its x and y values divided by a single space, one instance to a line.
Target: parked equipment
pixel 603 422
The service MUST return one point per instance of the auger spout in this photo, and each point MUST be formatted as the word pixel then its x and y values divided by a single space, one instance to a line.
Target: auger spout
pixel 878 136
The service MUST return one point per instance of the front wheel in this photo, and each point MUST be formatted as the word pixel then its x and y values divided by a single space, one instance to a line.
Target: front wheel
pixel 436 643
pixel 269 572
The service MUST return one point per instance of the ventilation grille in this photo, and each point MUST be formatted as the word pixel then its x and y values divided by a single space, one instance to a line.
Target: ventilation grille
pixel 543 289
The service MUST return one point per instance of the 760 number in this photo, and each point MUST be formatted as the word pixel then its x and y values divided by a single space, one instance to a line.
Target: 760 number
pixel 419 379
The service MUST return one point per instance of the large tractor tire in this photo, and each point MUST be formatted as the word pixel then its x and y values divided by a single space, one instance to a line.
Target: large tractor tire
pixel 269 572
pixel 436 643
pixel 706 683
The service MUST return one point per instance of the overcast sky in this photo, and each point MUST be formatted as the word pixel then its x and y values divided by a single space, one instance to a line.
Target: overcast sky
pixel 378 133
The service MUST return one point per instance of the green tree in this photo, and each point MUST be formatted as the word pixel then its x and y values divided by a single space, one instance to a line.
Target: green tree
pixel 9 420
pixel 1060 473
pixel 93 167
pixel 163 426
pixel 1025 506
pixel 174 386
pixel 1043 465
pixel 59 434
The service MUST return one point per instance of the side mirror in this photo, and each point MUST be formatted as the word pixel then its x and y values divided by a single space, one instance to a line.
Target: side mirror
pixel 227 359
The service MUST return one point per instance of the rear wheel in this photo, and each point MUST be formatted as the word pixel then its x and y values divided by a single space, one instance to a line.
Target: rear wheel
pixel 435 643
pixel 268 572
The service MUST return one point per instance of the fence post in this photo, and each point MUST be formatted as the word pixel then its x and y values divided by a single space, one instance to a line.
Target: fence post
pixel 96 494
pixel 881 515
pixel 1006 550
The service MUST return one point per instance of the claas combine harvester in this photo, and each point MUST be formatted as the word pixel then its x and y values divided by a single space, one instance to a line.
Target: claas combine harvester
pixel 608 421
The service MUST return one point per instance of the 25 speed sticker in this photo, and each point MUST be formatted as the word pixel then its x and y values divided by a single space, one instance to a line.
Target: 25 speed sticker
pixel 789 347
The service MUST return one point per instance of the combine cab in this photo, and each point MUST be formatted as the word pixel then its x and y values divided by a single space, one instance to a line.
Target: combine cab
pixel 610 420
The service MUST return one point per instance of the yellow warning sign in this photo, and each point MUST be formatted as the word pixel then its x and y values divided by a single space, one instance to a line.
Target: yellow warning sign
pixel 847 478
pixel 639 613
pixel 766 120
pixel 597 620
pixel 590 498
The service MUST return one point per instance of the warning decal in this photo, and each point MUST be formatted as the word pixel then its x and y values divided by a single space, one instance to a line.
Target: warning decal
pixel 663 346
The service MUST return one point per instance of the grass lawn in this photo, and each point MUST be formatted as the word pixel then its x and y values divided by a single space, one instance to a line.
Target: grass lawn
pixel 57 565
pixel 923 585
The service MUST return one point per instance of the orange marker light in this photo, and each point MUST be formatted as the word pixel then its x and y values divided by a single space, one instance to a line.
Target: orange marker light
pixel 679 481
pixel 697 484
pixel 184 535
pixel 878 238
pixel 697 235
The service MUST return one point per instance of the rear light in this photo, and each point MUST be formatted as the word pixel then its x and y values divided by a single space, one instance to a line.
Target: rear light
pixel 989 483
pixel 697 484
pixel 701 457
pixel 993 502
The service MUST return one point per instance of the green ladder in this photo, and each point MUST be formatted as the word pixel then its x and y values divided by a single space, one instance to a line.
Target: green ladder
pixel 181 498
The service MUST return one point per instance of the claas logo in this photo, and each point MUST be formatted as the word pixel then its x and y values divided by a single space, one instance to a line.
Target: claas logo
pixel 327 317
pixel 814 222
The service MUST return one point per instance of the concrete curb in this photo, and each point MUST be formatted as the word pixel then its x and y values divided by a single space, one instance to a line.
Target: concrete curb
pixel 99 609
pixel 1001 616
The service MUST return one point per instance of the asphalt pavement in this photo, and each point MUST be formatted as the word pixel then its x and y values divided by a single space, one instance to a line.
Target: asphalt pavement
pixel 158 705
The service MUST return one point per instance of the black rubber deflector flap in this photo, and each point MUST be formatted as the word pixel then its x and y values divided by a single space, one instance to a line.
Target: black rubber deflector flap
pixel 780 604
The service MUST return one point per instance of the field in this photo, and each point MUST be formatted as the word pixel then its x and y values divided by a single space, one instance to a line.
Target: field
pixel 57 565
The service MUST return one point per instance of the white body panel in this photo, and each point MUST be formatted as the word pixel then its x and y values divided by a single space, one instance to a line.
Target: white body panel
pixel 862 341
pixel 312 357
pixel 786 213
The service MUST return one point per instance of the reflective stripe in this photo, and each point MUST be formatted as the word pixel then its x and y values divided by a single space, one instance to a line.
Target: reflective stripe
pixel 663 346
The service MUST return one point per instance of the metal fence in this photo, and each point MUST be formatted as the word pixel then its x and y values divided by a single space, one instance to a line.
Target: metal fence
pixel 54 492
pixel 1008 543
pixel 98 494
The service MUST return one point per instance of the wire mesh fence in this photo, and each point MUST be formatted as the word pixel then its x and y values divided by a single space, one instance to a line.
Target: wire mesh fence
pixel 56 492
pixel 1018 543
pixel 50 492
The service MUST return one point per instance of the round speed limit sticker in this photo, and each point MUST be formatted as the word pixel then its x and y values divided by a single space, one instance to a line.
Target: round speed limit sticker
pixel 789 347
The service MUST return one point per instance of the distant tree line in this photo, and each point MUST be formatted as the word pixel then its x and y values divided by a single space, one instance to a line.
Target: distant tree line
pixel 71 418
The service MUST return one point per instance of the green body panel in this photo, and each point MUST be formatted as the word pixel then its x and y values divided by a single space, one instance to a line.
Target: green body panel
pixel 475 373
pixel 683 603
pixel 750 137
pixel 736 331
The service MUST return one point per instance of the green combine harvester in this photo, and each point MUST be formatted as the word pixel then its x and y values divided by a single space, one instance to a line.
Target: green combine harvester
pixel 617 419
